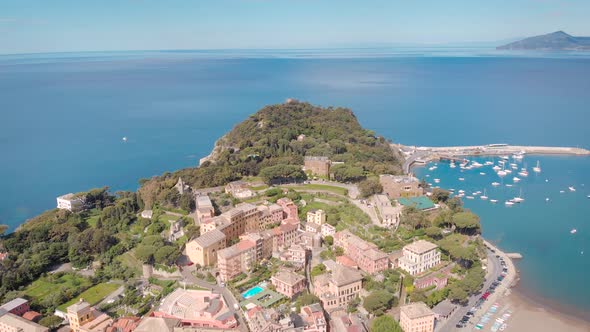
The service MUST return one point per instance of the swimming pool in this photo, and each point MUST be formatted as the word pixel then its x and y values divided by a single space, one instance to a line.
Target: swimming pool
pixel 252 291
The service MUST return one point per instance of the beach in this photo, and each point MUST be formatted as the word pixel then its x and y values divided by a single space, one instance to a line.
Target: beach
pixel 529 315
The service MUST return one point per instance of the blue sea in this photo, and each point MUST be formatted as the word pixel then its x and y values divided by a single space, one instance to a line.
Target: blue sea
pixel 64 116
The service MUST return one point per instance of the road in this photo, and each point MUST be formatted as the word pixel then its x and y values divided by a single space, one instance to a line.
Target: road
pixel 229 298
pixel 494 269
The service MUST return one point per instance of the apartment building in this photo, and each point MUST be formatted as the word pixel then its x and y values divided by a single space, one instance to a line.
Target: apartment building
pixel 236 259
pixel 203 250
pixel 419 256
pixel 288 283
pixel 317 217
pixel 366 254
pixel 204 208
pixel 84 318
pixel 337 287
pixel 416 317
pixel 71 202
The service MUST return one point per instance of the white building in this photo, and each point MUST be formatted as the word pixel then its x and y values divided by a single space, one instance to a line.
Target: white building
pixel 147 214
pixel 328 230
pixel 70 202
pixel 419 256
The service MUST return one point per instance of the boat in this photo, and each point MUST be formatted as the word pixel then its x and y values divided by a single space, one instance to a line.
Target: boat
pixel 505 157
pixel 508 171
pixel 518 199
pixel 427 175
pixel 537 169
pixel 469 197
pixel 432 168
pixel 501 162
pixel 495 184
pixel 488 163
pixel 547 199
pixel 517 156
pixel 484 196
pixel 496 168
pixel 561 191
pixel 493 201
pixel 482 173
pixel 588 196
pixel 515 179
pixel 571 188
pixel 476 164
pixel 509 203
pixel 502 172
pixel 573 231
pixel 461 179
pixel 508 185
pixel 523 172
pixel 436 180
pixel 461 191
pixel 452 164
pixel 124 139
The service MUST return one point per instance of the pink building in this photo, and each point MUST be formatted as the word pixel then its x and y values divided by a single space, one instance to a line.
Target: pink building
pixel 284 235
pixel 197 308
pixel 17 306
pixel 288 283
pixel 367 256
pixel 290 211
pixel 313 318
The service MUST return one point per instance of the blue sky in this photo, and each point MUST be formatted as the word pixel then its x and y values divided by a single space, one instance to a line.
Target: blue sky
pixel 28 26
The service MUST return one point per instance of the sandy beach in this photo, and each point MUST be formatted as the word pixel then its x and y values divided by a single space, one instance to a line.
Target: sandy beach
pixel 529 315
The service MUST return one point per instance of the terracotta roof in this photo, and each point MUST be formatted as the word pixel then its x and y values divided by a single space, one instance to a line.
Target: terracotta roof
pixel 288 277
pixel 31 315
pixel 416 310
pixel 420 246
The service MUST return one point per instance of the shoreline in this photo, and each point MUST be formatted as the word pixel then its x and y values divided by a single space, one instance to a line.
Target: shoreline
pixel 533 312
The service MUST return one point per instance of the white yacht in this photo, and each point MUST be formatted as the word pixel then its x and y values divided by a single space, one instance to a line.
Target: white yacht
pixel 461 179
pixel 482 173
pixel 508 185
pixel 495 184
pixel 124 139
pixel 515 179
pixel 452 164
pixel 509 203
pixel 518 199
pixel 488 163
pixel 476 164
pixel 436 180
pixel 523 172
pixel 508 171
pixel 469 197
pixel 537 169
pixel 573 231
pixel 484 196
pixel 496 168
pixel 505 157
pixel 493 201
pixel 571 188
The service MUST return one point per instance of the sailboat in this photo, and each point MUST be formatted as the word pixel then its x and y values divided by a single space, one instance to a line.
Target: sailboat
pixel 509 203
pixel 502 172
pixel 494 201
pixel 495 184
pixel 484 196
pixel 518 199
pixel 453 164
pixel 523 172
pixel 537 169
pixel 515 179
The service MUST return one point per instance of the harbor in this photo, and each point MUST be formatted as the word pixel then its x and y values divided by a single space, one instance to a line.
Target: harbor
pixel 423 154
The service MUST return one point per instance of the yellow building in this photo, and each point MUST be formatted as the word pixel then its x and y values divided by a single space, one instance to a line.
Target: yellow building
pixel 338 287
pixel 84 318
pixel 317 217
pixel 416 317
pixel 203 250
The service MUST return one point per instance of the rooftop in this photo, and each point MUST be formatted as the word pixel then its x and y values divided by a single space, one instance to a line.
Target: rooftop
pixel 420 246
pixel 399 178
pixel 342 275
pixel 13 304
pixel 416 310
pixel 444 308
pixel 288 277
pixel 317 158
pixel 79 306
pixel 150 324
pixel 191 304
pixel 21 324
pixel 203 201
pixel 210 238
pixel 420 202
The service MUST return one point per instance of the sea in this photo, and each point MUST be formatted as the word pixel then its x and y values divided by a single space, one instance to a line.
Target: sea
pixel 64 117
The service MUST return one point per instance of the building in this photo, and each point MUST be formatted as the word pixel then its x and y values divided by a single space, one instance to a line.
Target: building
pixel 337 287
pixel 203 250
pixel 313 227
pixel 124 324
pixel 204 208
pixel 443 310
pixel 366 254
pixel 328 230
pixel 265 320
pixel 239 189
pixel 176 231
pixel 394 258
pixel 152 324
pixel 317 165
pixel 147 214
pixel 33 316
pixel 242 218
pixel 71 202
pixel 84 318
pixel 269 216
pixel 236 259
pixel 310 240
pixel 13 323
pixel 396 186
pixel 284 235
pixel 210 224
pixel 182 187
pixel 421 203
pixel 288 283
pixel 313 318
pixel 296 253
pixel 416 317
pixel 17 306
pixel 197 308
pixel 317 217
pixel 419 256
pixel 341 321
pixel 290 211
pixel 389 214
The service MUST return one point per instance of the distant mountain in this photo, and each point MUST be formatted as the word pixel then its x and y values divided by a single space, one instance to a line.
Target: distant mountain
pixel 553 41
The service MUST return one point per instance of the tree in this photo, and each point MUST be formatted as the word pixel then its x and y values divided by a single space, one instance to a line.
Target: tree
pixel 440 195
pixel 51 322
pixel 166 255
pixel 385 323
pixel 433 232
pixel 329 240
pixel 347 173
pixel 378 302
pixel 306 299
pixel 455 204
pixel 457 293
pixel 318 270
pixel 467 222
pixel 370 187
pixel 282 173
pixel 187 202
pixel 339 251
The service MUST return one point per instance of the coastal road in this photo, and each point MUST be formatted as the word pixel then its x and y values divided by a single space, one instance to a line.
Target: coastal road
pixel 229 298
pixel 494 269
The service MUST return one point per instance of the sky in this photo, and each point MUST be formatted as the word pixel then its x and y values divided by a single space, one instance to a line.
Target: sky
pixel 33 26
